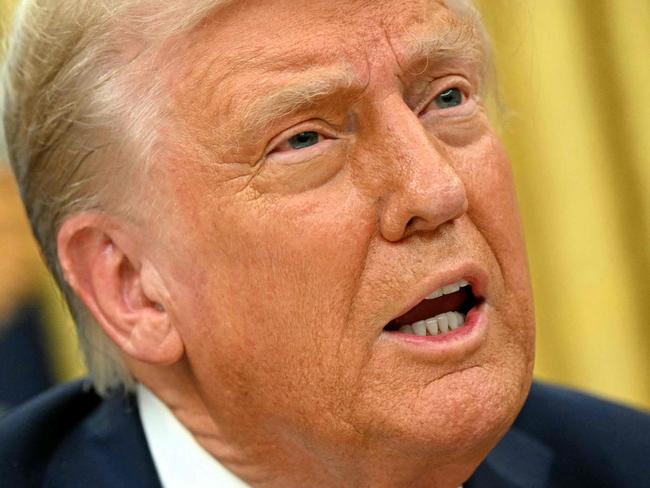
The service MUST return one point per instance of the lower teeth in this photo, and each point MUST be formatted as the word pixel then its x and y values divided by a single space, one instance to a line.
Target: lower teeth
pixel 440 324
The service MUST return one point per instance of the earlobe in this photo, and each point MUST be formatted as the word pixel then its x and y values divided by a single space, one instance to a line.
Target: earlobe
pixel 103 264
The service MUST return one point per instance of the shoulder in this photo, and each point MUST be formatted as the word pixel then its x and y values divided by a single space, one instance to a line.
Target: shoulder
pixel 573 414
pixel 31 433
pixel 71 437
pixel 591 439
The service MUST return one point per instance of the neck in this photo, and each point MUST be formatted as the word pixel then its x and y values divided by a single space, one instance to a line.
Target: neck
pixel 265 460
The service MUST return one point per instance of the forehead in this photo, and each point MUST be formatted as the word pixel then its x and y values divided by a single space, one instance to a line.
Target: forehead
pixel 284 34
pixel 246 49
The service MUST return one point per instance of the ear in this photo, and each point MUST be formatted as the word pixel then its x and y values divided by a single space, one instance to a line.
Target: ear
pixel 103 263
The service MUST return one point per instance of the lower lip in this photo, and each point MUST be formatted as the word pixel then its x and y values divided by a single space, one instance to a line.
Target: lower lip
pixel 463 340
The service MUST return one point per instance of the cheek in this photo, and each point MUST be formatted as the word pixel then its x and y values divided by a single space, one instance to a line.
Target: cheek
pixel 277 282
pixel 493 207
pixel 298 260
pixel 493 211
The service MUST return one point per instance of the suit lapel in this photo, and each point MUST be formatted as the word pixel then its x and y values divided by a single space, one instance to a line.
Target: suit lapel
pixel 109 450
pixel 518 461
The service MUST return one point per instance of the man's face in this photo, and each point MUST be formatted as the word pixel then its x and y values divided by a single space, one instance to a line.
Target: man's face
pixel 338 166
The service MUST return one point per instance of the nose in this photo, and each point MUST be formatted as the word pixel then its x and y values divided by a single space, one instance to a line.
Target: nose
pixel 421 190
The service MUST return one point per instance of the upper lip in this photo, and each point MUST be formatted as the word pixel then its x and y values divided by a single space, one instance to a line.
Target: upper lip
pixel 473 273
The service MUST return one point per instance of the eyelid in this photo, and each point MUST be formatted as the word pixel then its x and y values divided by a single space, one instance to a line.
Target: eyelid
pixel 441 85
pixel 317 126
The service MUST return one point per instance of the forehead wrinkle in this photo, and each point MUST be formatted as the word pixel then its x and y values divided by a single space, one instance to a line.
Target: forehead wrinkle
pixel 223 67
pixel 200 88
pixel 216 81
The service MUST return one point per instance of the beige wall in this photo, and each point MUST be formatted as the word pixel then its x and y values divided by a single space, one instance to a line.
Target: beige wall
pixel 576 76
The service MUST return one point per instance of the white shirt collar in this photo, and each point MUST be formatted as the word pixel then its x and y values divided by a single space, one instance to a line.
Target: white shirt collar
pixel 180 461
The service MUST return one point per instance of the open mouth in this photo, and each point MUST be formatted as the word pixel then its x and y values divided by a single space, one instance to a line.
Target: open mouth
pixel 442 312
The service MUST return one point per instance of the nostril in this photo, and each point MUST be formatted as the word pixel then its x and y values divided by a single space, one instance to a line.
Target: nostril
pixel 411 222
pixel 418 224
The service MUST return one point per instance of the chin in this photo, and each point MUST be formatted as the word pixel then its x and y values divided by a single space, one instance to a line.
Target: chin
pixel 460 416
pixel 481 405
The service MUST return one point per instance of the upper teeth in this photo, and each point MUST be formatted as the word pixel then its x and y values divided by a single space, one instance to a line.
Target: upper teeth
pixel 447 289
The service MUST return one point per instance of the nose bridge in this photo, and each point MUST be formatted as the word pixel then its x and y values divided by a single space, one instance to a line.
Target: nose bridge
pixel 420 189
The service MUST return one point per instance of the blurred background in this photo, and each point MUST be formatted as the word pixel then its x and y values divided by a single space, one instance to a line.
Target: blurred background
pixel 575 79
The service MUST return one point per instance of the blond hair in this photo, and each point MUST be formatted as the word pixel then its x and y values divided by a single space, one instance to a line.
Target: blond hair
pixel 80 101
pixel 78 109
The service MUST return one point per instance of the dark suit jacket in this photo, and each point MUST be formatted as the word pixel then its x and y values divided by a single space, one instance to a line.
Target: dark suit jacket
pixel 69 437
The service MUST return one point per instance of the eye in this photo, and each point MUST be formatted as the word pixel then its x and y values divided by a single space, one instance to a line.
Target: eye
pixel 301 140
pixel 452 97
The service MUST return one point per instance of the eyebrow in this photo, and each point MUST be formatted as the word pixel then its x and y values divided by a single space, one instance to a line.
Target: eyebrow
pixel 462 41
pixel 307 89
